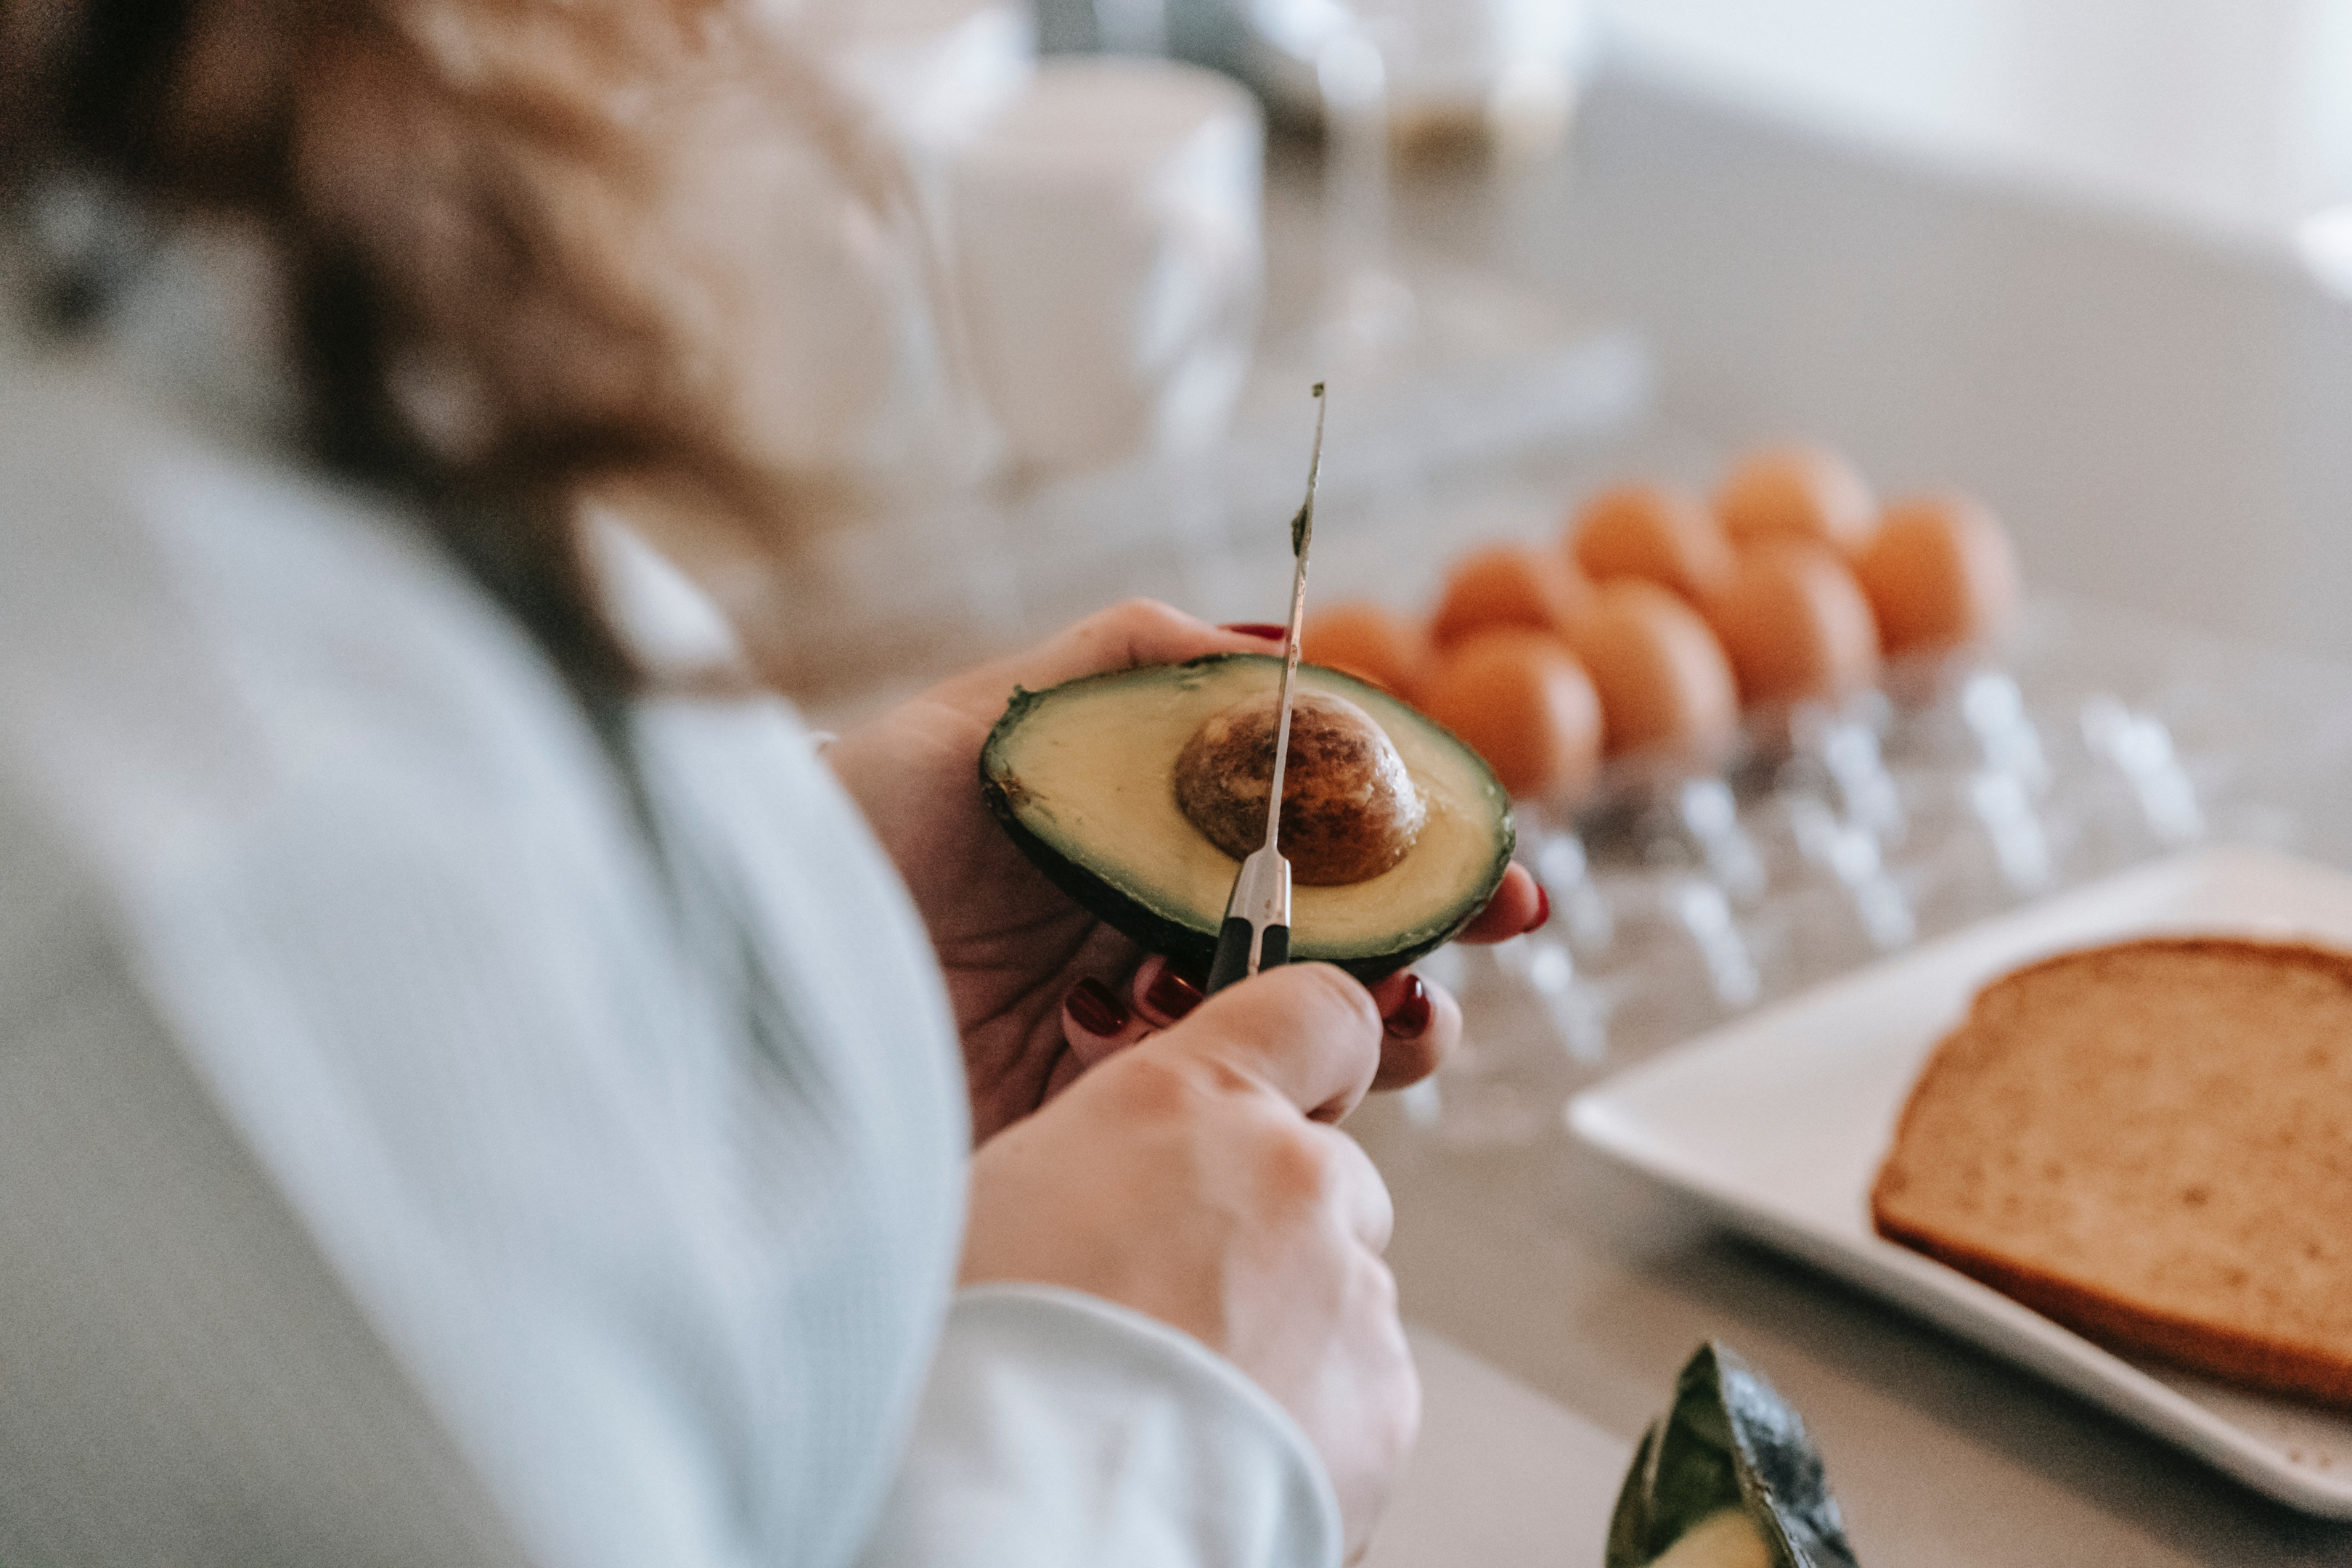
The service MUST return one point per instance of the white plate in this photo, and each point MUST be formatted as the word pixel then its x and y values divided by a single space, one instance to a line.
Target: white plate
pixel 1779 1121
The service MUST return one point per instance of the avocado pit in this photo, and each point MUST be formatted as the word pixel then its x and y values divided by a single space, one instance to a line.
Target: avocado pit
pixel 1350 808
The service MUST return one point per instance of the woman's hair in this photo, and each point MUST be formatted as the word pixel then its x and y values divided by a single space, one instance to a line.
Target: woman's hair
pixel 494 301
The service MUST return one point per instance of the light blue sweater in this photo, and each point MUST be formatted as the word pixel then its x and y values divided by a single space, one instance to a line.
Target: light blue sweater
pixel 405 1158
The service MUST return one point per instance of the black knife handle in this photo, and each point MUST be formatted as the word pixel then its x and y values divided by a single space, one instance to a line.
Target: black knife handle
pixel 1232 962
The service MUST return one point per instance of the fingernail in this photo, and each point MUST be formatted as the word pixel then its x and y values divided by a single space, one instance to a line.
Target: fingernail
pixel 1257 629
pixel 1543 910
pixel 1412 1017
pixel 1171 994
pixel 1094 1009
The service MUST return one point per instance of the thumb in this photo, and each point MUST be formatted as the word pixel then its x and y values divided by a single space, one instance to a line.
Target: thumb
pixel 1306 1031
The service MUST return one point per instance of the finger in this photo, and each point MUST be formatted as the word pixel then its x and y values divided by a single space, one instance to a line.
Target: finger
pixel 1362 1195
pixel 1162 992
pixel 1066 1071
pixel 1138 632
pixel 1096 1025
pixel 1305 1031
pixel 1419 1029
pixel 1397 991
pixel 1519 906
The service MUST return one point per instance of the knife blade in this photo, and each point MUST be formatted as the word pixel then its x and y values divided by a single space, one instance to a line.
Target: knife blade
pixel 1256 930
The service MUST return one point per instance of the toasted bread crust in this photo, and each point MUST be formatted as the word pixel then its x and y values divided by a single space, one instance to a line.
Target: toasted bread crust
pixel 2250 1360
pixel 2150 1142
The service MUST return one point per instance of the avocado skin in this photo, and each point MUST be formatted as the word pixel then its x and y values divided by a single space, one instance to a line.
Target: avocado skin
pixel 1185 944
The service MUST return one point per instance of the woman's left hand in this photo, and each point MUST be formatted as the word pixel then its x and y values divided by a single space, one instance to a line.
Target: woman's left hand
pixel 1016 949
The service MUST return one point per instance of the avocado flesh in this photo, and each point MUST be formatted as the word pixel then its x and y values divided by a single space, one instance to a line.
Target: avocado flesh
pixel 1082 776
pixel 1726 1539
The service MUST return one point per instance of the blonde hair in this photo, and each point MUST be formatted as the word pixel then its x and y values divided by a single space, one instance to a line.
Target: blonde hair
pixel 495 299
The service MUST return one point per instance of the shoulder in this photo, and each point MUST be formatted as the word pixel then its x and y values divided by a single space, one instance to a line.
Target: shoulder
pixel 341 819
pixel 190 636
pixel 566 1123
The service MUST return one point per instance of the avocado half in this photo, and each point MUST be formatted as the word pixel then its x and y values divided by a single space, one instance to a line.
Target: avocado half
pixel 1082 776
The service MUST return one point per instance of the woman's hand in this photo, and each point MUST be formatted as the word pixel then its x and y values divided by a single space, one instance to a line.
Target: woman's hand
pixel 1192 1179
pixel 1014 946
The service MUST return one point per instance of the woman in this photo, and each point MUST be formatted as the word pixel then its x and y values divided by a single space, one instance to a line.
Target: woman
pixel 461 1101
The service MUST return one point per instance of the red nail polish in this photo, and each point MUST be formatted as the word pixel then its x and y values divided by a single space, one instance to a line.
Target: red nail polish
pixel 1171 994
pixel 1411 1020
pixel 1094 1009
pixel 1257 629
pixel 1543 910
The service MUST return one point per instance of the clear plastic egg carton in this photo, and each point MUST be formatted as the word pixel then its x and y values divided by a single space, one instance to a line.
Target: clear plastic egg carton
pixel 2096 741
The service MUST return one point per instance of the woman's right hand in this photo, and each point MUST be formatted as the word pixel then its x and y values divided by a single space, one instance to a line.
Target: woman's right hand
pixel 1196 1178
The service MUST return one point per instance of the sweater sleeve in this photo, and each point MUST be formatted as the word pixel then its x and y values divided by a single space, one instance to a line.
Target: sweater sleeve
pixel 1058 1428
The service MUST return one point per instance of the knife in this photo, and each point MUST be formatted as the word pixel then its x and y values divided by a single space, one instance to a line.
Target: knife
pixel 1256 930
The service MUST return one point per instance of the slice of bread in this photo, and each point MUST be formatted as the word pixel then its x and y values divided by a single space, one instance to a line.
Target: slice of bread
pixel 2152 1144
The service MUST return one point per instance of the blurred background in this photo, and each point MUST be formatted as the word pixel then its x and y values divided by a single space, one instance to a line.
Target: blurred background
pixel 2088 261
pixel 2087 258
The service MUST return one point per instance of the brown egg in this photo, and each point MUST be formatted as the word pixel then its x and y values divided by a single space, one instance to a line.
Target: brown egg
pixel 1665 684
pixel 1809 491
pixel 1520 699
pixel 1350 808
pixel 1940 573
pixel 1508 585
pixel 1368 641
pixel 1795 623
pixel 1654 531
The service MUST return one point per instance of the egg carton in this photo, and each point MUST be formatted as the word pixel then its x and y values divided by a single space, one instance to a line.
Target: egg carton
pixel 1844 835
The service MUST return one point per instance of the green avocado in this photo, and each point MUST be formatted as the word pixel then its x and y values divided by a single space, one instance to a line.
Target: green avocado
pixel 1083 777
pixel 1728 1476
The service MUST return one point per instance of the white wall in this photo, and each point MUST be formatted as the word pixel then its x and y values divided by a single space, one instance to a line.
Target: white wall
pixel 2234 114
pixel 2163 419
